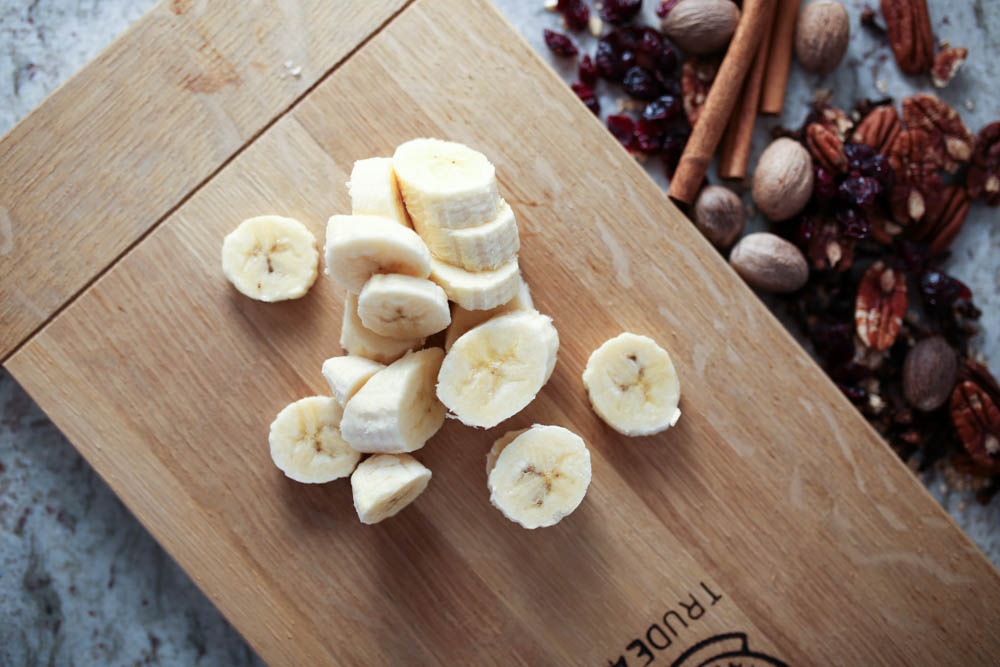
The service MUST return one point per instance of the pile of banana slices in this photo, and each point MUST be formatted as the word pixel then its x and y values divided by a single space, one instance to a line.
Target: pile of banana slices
pixel 431 247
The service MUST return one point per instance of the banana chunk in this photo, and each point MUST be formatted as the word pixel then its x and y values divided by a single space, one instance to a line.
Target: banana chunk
pixel 306 443
pixel 360 246
pixel 633 386
pixel 386 483
pixel 479 290
pixel 481 248
pixel 347 374
pixel 396 410
pixel 374 190
pixel 446 184
pixel 358 340
pixel 403 307
pixel 270 258
pixel 539 475
pixel 496 369
pixel 463 320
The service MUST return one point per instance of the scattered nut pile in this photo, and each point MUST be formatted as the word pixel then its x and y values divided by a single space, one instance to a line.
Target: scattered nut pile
pixel 863 204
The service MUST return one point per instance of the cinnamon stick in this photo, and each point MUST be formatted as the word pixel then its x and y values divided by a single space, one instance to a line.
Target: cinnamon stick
pixel 720 101
pixel 779 57
pixel 735 153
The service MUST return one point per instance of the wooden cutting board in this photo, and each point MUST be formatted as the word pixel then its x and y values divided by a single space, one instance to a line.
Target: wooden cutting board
pixel 771 526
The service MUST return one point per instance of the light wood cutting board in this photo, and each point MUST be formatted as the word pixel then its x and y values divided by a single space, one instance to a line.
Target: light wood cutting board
pixel 771 526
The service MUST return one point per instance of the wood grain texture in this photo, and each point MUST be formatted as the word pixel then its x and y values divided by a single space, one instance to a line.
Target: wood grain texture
pixel 772 509
pixel 128 137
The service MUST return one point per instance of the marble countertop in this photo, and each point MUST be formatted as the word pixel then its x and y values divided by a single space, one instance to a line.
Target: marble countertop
pixel 81 581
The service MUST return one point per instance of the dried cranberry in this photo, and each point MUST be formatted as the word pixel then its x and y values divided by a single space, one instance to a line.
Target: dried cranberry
pixel 588 71
pixel 648 136
pixel 673 147
pixel 665 8
pixel 941 290
pixel 559 44
pixel 662 109
pixel 609 59
pixel 859 190
pixel 858 155
pixel 623 128
pixel 854 223
pixel 825 186
pixel 854 394
pixel 878 167
pixel 618 12
pixel 641 84
pixel 575 13
pixel 666 61
pixel 834 342
pixel 586 95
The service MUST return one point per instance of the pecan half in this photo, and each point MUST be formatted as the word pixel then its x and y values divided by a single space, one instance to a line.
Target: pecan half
pixel 826 246
pixel 946 65
pixel 943 221
pixel 878 129
pixel 983 177
pixel 696 80
pixel 951 141
pixel 918 184
pixel 977 421
pixel 909 26
pixel 880 306
pixel 826 148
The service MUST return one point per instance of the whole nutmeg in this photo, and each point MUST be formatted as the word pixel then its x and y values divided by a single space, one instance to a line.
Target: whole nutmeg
pixel 929 373
pixel 769 263
pixel 701 26
pixel 821 36
pixel 719 214
pixel 783 179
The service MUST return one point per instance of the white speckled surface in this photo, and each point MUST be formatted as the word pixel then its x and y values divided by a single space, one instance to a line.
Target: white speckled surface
pixel 82 582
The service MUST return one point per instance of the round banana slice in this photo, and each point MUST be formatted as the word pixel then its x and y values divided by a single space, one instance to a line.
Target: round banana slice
pixel 446 184
pixel 496 369
pixel 358 340
pixel 632 385
pixel 396 410
pixel 538 475
pixel 374 190
pixel 386 483
pixel 360 246
pixel 306 443
pixel 403 307
pixel 479 290
pixel 347 374
pixel 481 248
pixel 270 258
pixel 462 320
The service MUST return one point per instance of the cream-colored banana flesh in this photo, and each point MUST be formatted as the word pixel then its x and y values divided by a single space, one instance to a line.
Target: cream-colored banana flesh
pixel 496 369
pixel 538 475
pixel 477 290
pixel 386 483
pixel 462 320
pixel 633 386
pixel 360 246
pixel 306 443
pixel 270 258
pixel 403 307
pixel 446 184
pixel 358 340
pixel 481 248
pixel 374 190
pixel 396 410
pixel 347 374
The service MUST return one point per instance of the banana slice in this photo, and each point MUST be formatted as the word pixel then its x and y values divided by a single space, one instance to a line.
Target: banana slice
pixel 347 374
pixel 270 258
pixel 374 190
pixel 360 246
pixel 306 443
pixel 463 320
pixel 632 385
pixel 481 248
pixel 481 290
pixel 494 370
pixel 360 341
pixel 396 410
pixel 403 307
pixel 538 475
pixel 386 483
pixel 446 184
